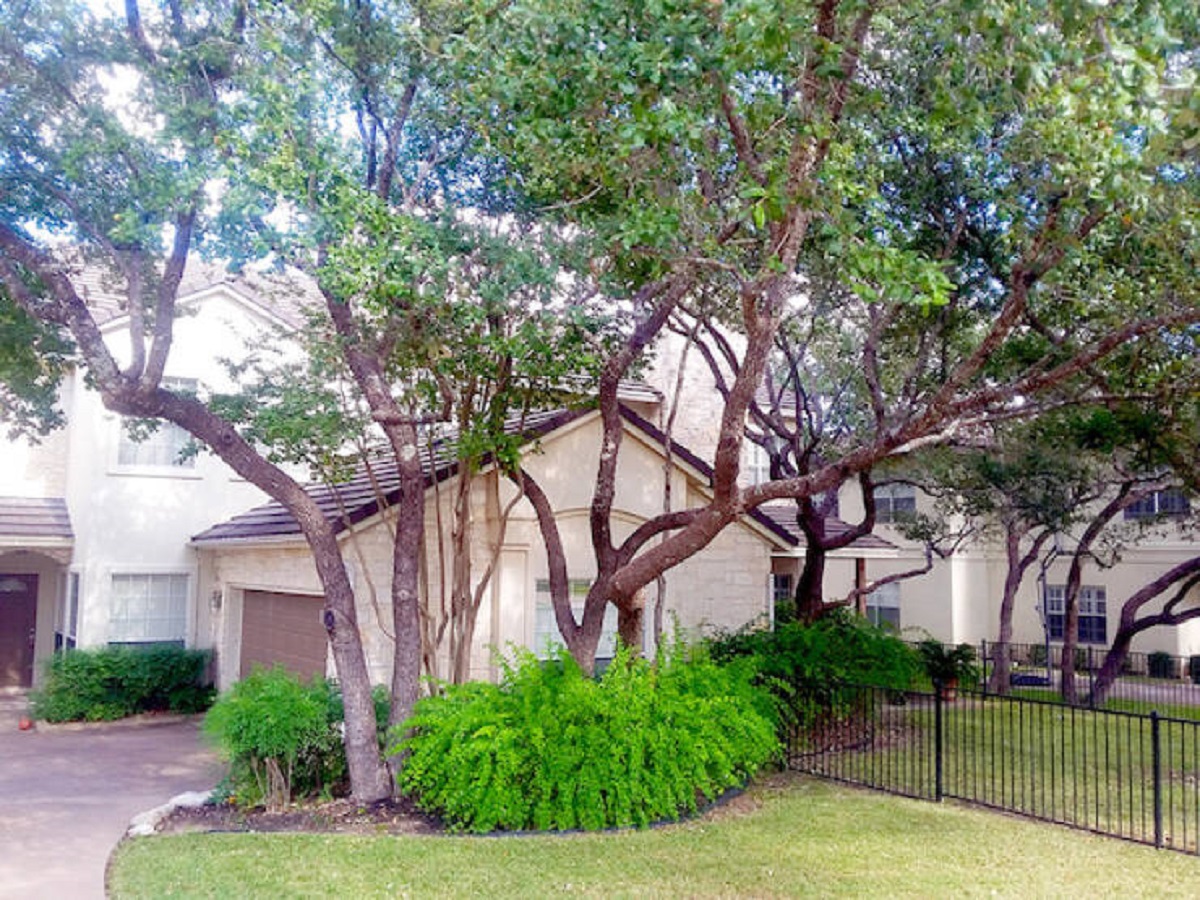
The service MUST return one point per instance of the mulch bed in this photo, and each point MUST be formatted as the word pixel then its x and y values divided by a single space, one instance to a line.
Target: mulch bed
pixel 398 816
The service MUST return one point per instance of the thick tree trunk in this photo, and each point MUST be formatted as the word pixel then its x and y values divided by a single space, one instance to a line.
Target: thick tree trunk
pixel 810 587
pixel 631 624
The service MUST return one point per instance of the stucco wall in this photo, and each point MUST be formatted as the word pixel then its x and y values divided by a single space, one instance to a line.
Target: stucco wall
pixel 724 586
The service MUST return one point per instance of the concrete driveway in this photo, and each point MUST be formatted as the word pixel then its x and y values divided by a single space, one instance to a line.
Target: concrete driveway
pixel 67 794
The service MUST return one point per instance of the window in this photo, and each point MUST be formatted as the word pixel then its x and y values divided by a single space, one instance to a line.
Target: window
pixel 895 503
pixel 757 469
pixel 1093 613
pixel 148 609
pixel 67 620
pixel 167 446
pixel 546 639
pixel 1170 502
pixel 782 589
pixel 883 605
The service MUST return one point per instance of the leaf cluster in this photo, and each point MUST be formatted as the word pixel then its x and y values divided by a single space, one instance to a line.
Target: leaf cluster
pixel 549 748
pixel 115 682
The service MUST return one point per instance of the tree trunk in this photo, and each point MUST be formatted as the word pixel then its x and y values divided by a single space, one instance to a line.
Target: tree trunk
pixel 406 575
pixel 1000 681
pixel 630 619
pixel 810 587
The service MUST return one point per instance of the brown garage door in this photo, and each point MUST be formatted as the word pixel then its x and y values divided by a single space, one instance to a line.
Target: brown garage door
pixel 284 629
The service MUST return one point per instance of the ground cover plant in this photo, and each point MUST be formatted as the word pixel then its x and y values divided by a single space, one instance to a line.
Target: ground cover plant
pixel 114 682
pixel 551 748
pixel 789 836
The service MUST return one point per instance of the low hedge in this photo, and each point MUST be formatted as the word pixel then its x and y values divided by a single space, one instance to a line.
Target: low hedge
pixel 115 682
pixel 549 748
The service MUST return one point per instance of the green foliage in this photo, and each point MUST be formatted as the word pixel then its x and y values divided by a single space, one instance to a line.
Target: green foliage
pixel 805 666
pixel 946 664
pixel 1160 664
pixel 549 748
pixel 815 658
pixel 1194 669
pixel 111 683
pixel 282 738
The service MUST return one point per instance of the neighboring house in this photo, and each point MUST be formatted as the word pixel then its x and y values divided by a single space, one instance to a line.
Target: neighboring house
pixel 265 597
pixel 959 599
pixel 94 526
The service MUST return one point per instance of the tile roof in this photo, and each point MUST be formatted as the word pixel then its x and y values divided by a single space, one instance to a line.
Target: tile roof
pixel 357 498
pixel 284 295
pixel 784 515
pixel 25 518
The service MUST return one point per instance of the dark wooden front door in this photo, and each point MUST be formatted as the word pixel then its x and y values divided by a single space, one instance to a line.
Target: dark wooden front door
pixel 18 623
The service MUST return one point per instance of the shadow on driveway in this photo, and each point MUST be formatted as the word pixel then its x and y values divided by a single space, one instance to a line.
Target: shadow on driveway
pixel 69 792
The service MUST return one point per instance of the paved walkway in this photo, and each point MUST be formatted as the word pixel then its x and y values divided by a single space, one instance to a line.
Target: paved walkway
pixel 67 794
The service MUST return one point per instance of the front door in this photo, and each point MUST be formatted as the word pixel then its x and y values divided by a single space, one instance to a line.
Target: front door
pixel 18 625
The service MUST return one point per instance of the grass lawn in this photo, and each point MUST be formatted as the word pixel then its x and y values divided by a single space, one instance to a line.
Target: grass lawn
pixel 788 837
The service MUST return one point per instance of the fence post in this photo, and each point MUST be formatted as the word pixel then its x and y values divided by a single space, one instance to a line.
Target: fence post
pixel 937 741
pixel 983 666
pixel 1156 761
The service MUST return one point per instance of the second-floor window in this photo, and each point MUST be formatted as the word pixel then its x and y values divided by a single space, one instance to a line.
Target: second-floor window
pixel 1169 502
pixel 895 503
pixel 167 446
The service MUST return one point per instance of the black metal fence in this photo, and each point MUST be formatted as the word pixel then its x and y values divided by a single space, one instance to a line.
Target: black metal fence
pixel 1127 775
pixel 1147 681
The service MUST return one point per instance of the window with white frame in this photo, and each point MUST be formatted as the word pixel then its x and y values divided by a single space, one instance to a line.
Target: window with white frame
pixel 1093 613
pixel 547 640
pixel 783 588
pixel 757 469
pixel 895 503
pixel 148 608
pixel 1160 504
pixel 67 619
pixel 883 605
pixel 167 446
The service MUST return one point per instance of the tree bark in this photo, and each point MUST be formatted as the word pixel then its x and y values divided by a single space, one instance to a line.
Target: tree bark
pixel 1131 625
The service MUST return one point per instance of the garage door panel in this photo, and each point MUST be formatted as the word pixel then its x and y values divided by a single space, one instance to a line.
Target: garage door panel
pixel 283 629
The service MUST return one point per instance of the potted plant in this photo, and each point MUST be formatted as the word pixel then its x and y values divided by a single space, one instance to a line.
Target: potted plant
pixel 947 666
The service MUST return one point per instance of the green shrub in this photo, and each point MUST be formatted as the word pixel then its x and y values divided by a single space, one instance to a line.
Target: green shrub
pixel 114 682
pixel 282 738
pixel 816 658
pixel 1194 669
pixel 549 748
pixel 1161 665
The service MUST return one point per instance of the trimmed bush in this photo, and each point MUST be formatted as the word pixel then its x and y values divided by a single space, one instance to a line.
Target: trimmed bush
pixel 1161 665
pixel 549 748
pixel 282 738
pixel 115 682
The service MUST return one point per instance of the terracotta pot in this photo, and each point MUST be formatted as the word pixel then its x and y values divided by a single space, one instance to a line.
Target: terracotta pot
pixel 25 724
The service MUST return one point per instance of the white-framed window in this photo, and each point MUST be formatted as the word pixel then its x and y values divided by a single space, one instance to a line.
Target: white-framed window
pixel 148 608
pixel 1160 504
pixel 895 503
pixel 66 625
pixel 883 605
pixel 546 639
pixel 783 587
pixel 757 468
pixel 1093 613
pixel 166 447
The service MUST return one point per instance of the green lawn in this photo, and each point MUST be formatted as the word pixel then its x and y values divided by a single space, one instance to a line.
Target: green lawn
pixel 798 837
pixel 1054 762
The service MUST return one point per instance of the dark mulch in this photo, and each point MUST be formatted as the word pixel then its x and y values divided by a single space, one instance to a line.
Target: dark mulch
pixel 399 816
pixel 330 817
